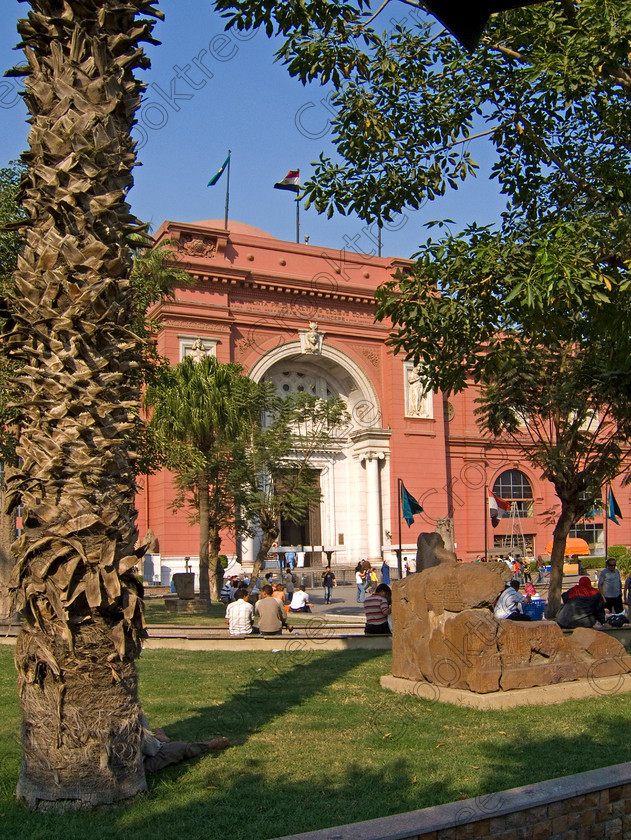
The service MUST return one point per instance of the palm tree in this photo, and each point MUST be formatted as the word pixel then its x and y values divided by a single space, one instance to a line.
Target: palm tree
pixel 79 368
pixel 203 412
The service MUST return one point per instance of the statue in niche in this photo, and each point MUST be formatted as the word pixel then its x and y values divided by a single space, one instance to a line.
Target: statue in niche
pixel 198 350
pixel 417 402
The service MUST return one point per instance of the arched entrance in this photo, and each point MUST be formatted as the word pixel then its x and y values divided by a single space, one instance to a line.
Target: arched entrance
pixel 353 469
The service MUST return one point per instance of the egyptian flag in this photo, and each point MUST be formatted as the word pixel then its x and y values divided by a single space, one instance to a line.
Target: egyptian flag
pixel 613 508
pixel 498 508
pixel 291 181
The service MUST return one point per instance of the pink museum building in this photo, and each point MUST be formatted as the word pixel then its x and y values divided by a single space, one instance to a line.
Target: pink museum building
pixel 302 317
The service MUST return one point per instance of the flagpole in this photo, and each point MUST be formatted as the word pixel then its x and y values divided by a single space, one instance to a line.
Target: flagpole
pixel 228 188
pixel 607 491
pixel 486 523
pixel 298 219
pixel 400 549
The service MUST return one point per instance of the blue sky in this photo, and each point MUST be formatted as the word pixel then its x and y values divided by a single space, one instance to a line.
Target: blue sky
pixel 209 92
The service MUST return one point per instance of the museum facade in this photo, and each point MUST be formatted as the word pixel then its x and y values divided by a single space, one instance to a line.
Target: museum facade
pixel 302 317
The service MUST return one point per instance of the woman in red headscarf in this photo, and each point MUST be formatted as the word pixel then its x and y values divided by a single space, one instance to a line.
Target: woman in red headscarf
pixel 583 589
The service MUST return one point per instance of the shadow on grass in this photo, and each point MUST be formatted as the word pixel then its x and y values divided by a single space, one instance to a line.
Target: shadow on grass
pixel 308 755
pixel 395 767
pixel 292 676
pixel 245 804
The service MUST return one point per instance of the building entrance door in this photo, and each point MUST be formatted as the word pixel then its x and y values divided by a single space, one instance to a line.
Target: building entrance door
pixel 304 533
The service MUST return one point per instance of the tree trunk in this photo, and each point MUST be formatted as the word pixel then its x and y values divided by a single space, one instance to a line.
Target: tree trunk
pixel 213 562
pixel 7 560
pixel 203 490
pixel 561 531
pixel 81 727
pixel 269 537
pixel 79 367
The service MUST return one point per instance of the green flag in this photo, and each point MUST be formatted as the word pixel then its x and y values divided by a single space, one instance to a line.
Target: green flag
pixel 216 177
pixel 410 505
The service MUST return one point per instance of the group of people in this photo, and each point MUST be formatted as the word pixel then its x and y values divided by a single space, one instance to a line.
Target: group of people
pixel 365 578
pixel 583 605
pixel 270 607
pixel 519 566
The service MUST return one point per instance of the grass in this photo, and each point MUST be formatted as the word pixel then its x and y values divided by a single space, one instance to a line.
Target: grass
pixel 316 743
pixel 157 613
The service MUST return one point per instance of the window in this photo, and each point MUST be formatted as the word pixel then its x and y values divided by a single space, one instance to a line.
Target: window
pixel 512 545
pixel 591 532
pixel 513 486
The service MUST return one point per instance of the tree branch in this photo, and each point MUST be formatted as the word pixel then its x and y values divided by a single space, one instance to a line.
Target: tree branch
pixel 556 160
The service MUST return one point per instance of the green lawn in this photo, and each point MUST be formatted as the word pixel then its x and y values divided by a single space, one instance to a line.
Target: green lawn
pixel 316 743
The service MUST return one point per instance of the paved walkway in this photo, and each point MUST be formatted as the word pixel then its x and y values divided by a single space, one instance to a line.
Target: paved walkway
pixel 343 605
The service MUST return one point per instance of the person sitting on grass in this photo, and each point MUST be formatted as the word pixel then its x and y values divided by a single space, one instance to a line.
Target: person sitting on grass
pixel 278 592
pixel 300 601
pixel 159 751
pixel 377 608
pixel 240 615
pixel 510 604
pixel 271 613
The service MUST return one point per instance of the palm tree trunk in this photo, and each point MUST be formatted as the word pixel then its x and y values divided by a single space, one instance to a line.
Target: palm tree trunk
pixel 81 733
pixel 213 561
pixel 79 367
pixel 203 491
pixel 7 561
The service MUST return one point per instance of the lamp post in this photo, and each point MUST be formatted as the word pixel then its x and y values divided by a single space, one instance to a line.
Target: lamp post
pixel 467 23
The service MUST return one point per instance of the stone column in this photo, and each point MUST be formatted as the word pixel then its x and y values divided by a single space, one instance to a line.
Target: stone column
pixel 373 505
pixel 248 552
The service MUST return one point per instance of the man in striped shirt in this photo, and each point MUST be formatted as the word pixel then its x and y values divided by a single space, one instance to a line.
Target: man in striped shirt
pixel 377 609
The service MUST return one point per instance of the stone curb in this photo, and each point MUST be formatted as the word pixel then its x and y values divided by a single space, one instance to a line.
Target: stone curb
pixel 415 824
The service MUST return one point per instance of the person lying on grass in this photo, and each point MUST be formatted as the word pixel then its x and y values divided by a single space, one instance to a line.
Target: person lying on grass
pixel 160 751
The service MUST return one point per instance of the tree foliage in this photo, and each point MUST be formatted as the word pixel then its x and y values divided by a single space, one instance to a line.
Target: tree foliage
pixel 551 80
pixel 278 477
pixel 536 311
pixel 202 414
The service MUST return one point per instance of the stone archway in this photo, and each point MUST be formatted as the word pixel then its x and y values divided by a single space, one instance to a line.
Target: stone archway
pixel 354 473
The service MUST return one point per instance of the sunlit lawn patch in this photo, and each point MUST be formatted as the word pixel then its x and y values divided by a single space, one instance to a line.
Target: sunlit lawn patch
pixel 316 743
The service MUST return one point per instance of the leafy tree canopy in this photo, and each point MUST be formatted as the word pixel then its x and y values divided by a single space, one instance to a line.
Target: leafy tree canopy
pixel 550 81
pixel 535 311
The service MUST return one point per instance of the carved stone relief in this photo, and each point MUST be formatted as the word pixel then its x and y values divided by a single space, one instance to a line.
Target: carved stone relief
pixel 198 246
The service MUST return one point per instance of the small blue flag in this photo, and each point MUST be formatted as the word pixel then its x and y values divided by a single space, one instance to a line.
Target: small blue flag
pixel 613 508
pixel 410 505
pixel 216 177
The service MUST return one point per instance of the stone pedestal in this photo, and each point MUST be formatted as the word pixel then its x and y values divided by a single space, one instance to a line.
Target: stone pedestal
pixel 444 634
pixel 184 583
pixel 192 606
